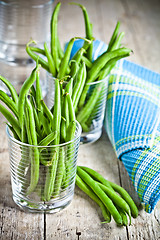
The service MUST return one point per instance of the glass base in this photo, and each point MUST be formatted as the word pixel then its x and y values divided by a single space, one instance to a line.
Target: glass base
pixel 90 137
pixel 43 207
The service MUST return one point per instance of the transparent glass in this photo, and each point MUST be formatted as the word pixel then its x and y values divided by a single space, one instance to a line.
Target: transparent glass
pixel 43 177
pixel 21 21
pixel 94 108
pixel 95 103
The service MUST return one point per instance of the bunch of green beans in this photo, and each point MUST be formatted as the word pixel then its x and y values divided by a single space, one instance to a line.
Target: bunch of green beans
pixel 80 67
pixel 31 122
pixel 113 200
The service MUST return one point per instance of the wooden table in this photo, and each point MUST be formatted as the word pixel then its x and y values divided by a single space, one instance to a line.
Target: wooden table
pixel 140 20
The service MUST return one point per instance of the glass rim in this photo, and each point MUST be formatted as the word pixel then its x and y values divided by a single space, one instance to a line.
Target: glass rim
pixel 48 146
pixel 88 84
pixel 99 81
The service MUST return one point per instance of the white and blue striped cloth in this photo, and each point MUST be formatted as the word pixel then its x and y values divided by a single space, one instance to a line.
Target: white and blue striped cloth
pixel 132 121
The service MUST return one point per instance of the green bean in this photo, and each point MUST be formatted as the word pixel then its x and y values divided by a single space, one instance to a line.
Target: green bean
pixel 23 92
pixel 26 123
pixel 87 62
pixel 51 173
pixel 97 65
pixel 65 60
pixel 33 92
pixel 60 171
pixel 75 61
pixel 123 215
pixel 38 90
pixel 79 55
pixel 71 108
pixel 51 62
pixel 65 111
pixel 72 125
pixel 48 139
pixel 9 102
pixel 37 122
pixel 10 118
pixel 54 35
pixel 45 123
pixel 64 121
pixel 60 51
pixel 109 66
pixel 83 186
pixel 116 199
pixel 86 111
pixel 46 162
pixel 88 29
pixel 114 36
pixel 24 132
pixel 38 50
pixel 35 157
pixel 12 90
pixel 101 194
pixel 74 68
pixel 70 131
pixel 96 176
pixel 57 111
pixel 124 194
pixel 85 127
pixel 117 42
pixel 13 131
pixel 46 111
pixel 79 85
pixel 34 56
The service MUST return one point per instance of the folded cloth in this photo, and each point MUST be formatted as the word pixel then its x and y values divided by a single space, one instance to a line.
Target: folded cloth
pixel 132 121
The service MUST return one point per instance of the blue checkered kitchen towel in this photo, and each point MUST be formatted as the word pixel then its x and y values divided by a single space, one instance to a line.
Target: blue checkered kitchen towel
pixel 132 121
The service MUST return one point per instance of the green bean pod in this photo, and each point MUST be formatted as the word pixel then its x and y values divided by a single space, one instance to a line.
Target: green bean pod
pixel 51 62
pixel 10 87
pixel 46 110
pixel 48 139
pixel 96 176
pixel 38 50
pixel 65 60
pixel 101 194
pixel 98 64
pixel 9 103
pixel 10 118
pixel 116 199
pixel 54 35
pixel 35 156
pixel 60 172
pixel 87 109
pixel 114 36
pixel 36 57
pixel 125 195
pixel 23 92
pixel 51 173
pixel 83 186
pixel 79 84
pixel 88 29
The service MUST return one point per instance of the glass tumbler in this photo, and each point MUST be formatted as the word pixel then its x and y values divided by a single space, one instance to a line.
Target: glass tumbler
pixel 21 21
pixel 91 115
pixel 43 177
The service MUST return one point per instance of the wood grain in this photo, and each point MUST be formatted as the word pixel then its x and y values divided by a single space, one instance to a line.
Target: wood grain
pixel 140 20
